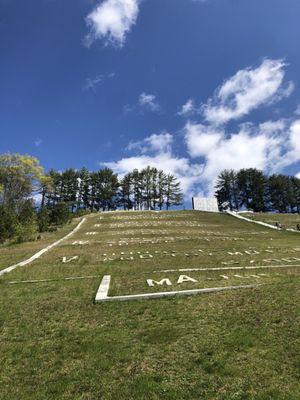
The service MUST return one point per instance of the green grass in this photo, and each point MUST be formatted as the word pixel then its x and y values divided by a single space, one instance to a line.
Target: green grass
pixel 14 253
pixel 287 220
pixel 55 343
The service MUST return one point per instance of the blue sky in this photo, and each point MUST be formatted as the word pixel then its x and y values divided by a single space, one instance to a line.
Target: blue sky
pixel 189 86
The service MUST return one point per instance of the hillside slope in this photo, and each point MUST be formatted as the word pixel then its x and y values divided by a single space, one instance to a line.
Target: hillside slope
pixel 56 343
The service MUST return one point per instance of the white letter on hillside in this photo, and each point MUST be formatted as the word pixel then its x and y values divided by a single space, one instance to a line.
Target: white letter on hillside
pixel 151 282
pixel 67 260
pixel 185 278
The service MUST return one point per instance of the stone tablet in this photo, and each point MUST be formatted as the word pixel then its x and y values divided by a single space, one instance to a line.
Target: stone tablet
pixel 205 204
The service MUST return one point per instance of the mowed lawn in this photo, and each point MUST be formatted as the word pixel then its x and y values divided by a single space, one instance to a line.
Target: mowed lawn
pixel 56 343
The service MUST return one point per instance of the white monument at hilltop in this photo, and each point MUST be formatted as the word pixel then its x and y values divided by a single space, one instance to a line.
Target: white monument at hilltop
pixel 205 204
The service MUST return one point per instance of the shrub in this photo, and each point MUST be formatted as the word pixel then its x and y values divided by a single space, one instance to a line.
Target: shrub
pixel 44 219
pixel 27 226
pixel 25 232
pixel 81 212
pixel 60 214
pixel 8 222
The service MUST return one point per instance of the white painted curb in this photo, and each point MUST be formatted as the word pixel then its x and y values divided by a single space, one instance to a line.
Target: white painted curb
pixel 227 268
pixel 236 215
pixel 41 252
pixel 102 293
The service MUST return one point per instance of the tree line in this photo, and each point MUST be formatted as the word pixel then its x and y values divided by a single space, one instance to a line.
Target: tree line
pixel 148 189
pixel 251 189
pixel 65 194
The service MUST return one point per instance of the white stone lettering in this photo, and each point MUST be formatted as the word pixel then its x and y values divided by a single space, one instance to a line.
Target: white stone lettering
pixel 224 276
pixel 185 278
pixel 66 260
pixel 151 282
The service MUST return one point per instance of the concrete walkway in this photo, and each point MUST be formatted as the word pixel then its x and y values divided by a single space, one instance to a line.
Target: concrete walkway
pixel 236 215
pixel 41 252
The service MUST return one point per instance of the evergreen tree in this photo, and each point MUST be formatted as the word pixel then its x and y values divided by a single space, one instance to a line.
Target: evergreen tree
pixel 126 192
pixel 107 185
pixel 84 187
pixel 161 188
pixel 252 186
pixel 173 193
pixel 227 191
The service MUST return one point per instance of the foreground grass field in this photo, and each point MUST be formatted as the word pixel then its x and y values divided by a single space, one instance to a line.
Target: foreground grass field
pixel 55 343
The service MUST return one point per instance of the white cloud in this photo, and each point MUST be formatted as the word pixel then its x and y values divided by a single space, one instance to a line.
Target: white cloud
pixel 188 108
pixel 201 139
pixel 298 175
pixel 156 151
pixel 145 102
pixel 154 143
pixel 92 83
pixel 291 146
pixel 38 142
pixel 270 147
pixel 148 101
pixel 111 21
pixel 247 90
pixel 187 174
pixel 297 111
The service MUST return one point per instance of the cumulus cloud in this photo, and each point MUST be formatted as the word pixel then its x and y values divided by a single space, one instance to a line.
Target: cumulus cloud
pixel 187 108
pixel 291 146
pixel 156 151
pixel 148 101
pixel 270 146
pixel 201 139
pixel 179 166
pixel 246 90
pixel 154 143
pixel 111 21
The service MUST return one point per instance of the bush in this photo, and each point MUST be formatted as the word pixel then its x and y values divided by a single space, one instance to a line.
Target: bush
pixel 44 219
pixel 26 212
pixel 27 226
pixel 8 222
pixel 60 214
pixel 80 212
pixel 25 232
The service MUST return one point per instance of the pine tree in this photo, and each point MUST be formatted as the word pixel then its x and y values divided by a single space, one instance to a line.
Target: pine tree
pixel 227 192
pixel 173 193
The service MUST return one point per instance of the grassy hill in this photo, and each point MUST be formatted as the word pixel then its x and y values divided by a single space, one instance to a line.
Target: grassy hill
pixel 56 343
